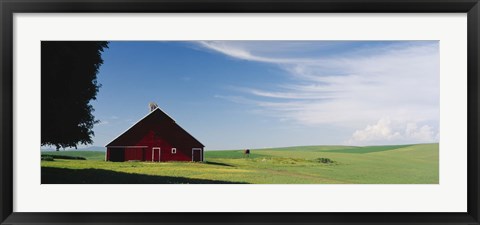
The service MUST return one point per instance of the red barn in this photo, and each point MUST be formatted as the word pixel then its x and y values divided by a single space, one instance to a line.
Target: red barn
pixel 156 138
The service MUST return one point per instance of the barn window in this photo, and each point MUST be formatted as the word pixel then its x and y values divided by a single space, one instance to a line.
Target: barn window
pixel 174 150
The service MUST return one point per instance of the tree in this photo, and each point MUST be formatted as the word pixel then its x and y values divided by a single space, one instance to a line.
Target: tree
pixel 68 84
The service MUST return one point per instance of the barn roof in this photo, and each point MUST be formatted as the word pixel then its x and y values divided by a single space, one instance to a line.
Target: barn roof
pixel 156 116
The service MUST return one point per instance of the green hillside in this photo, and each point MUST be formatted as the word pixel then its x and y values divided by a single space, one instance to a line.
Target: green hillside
pixel 400 164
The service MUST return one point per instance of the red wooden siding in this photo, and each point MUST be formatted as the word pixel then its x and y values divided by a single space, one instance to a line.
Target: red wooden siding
pixel 134 154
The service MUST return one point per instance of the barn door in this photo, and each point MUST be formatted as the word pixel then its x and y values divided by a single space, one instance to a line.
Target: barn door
pixel 155 154
pixel 117 154
pixel 196 154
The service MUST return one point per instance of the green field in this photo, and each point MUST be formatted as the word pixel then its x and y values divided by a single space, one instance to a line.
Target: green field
pixel 399 164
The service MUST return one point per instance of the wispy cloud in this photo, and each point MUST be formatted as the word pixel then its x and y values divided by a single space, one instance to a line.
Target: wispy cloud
pixel 233 51
pixel 355 87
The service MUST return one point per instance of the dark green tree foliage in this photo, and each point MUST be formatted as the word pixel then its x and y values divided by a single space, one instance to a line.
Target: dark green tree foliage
pixel 69 82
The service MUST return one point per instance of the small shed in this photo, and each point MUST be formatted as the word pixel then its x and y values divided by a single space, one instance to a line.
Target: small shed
pixel 156 138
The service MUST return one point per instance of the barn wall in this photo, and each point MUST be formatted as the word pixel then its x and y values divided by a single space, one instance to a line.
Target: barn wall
pixel 157 131
pixel 151 140
pixel 134 154
pixel 145 154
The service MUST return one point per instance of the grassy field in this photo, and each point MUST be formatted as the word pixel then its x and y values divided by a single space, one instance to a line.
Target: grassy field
pixel 400 164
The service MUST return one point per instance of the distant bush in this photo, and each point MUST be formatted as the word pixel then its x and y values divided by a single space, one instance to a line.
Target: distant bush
pixel 64 157
pixel 47 158
pixel 324 160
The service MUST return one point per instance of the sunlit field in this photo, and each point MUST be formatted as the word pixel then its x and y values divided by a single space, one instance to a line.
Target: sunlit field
pixel 400 164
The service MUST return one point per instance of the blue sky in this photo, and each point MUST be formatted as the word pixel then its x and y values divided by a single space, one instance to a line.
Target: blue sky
pixel 257 94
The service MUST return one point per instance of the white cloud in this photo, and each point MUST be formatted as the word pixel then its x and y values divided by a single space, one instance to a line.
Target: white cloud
pixel 398 81
pixel 380 131
pixel 424 133
pixel 387 131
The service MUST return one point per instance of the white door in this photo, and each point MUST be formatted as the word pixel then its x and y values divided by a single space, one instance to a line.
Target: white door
pixel 156 154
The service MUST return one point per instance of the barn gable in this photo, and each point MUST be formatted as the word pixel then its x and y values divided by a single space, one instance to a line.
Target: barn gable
pixel 162 125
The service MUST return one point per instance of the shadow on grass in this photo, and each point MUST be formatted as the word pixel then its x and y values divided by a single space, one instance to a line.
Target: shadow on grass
pixel 218 164
pixel 98 176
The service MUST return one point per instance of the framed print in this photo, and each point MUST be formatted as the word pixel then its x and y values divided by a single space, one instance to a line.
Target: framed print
pixel 256 112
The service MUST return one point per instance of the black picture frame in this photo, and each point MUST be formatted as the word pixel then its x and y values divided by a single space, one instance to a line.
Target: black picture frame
pixel 9 7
